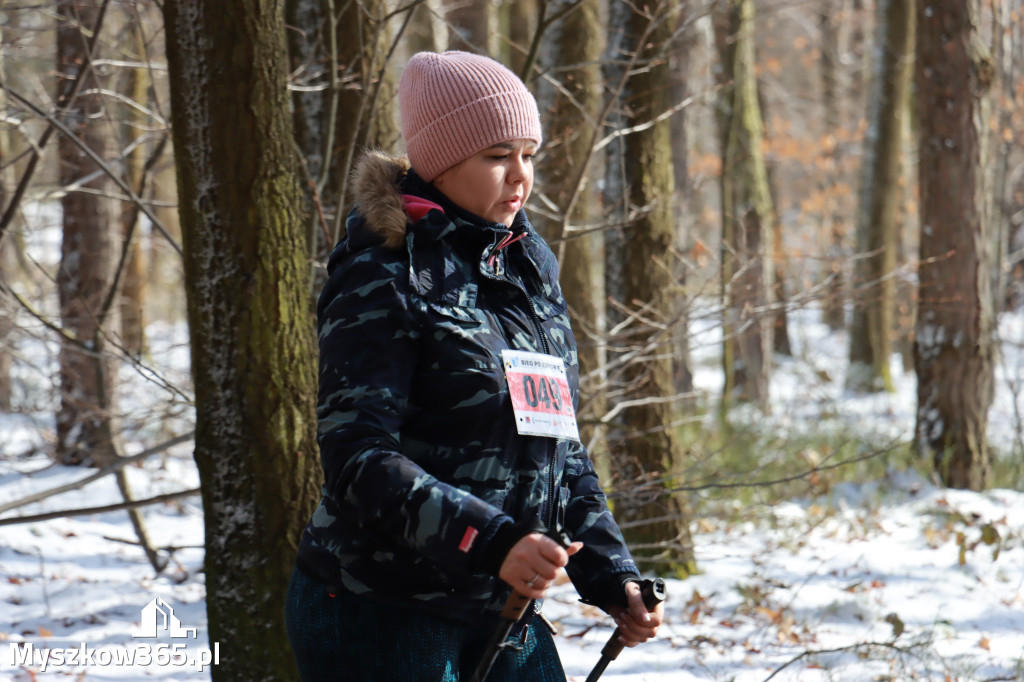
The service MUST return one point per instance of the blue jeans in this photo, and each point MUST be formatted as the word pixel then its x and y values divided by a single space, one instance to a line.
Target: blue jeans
pixel 339 636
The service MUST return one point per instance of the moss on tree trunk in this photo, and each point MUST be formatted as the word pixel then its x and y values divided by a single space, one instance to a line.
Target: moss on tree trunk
pixel 253 355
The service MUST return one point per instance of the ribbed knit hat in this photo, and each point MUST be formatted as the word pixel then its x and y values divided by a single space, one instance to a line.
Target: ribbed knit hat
pixel 456 103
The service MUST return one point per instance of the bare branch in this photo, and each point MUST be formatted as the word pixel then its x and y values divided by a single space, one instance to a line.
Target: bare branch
pixel 577 183
pixel 103 509
pixel 733 485
pixel 366 112
pixel 66 97
pixel 75 485
pixel 543 24
pixel 126 246
pixel 59 125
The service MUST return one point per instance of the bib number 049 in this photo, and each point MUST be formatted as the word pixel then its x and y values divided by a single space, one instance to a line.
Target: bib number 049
pixel 541 399
pixel 546 395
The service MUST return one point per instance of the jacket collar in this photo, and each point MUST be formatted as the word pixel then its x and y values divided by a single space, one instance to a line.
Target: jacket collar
pixel 381 179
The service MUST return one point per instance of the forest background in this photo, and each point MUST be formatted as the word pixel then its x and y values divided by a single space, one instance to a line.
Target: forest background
pixel 718 164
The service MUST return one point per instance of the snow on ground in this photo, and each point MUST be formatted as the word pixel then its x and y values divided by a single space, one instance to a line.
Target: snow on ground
pixel 882 580
pixel 821 593
pixel 943 570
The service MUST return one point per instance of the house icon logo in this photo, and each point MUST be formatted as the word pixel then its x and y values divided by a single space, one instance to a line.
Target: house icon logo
pixel 158 615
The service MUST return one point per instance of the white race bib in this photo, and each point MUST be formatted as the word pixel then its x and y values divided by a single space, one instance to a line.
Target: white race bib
pixel 540 395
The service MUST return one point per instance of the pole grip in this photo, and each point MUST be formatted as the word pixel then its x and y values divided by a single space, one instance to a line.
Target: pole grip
pixel 516 604
pixel 653 593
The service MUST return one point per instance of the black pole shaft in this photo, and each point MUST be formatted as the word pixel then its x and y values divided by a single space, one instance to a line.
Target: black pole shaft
pixel 598 669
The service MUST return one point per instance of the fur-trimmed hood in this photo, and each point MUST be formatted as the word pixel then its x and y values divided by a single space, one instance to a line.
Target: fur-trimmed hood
pixel 376 186
pixel 389 195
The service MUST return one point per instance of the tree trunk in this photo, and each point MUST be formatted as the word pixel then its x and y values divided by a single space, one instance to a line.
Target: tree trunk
pixel 6 335
pixel 423 34
pixel 88 375
pixel 778 294
pixel 6 309
pixel 746 211
pixel 251 326
pixel 310 64
pixel 133 288
pixel 833 31
pixel 163 264
pixel 470 25
pixel 519 25
pixel 366 112
pixel 953 345
pixel 679 63
pixel 648 458
pixel 1008 139
pixel 355 110
pixel 569 129
pixel 878 227
pixel 7 326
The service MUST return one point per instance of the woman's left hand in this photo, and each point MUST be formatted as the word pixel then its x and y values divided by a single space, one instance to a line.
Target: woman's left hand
pixel 636 624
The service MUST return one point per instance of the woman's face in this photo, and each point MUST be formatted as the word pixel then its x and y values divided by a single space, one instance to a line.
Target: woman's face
pixel 493 183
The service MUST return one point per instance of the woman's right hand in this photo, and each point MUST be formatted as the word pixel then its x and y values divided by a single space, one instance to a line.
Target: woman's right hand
pixel 532 564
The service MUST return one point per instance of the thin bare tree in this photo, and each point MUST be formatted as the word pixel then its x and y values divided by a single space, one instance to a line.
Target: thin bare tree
pixel 878 229
pixel 642 288
pixel 88 375
pixel 747 210
pixel 572 50
pixel 471 25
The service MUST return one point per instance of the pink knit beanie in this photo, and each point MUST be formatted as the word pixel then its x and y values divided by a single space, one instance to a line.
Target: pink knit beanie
pixel 456 103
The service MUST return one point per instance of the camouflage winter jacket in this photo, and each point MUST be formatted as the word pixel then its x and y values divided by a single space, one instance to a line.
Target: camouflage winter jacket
pixel 421 457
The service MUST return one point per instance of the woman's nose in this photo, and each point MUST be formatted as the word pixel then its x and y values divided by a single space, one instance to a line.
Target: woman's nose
pixel 517 169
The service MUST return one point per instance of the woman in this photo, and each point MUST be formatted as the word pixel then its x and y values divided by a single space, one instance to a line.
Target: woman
pixel 448 380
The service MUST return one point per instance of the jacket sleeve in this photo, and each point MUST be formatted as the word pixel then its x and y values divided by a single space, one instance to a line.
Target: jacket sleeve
pixel 369 344
pixel 598 570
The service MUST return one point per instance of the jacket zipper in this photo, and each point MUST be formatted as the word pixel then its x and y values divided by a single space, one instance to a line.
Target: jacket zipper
pixel 549 521
pixel 548 516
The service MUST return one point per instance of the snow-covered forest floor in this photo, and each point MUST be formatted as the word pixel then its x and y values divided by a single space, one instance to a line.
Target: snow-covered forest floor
pixel 890 578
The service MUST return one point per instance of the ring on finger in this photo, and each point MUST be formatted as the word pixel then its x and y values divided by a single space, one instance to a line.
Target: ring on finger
pixel 531 581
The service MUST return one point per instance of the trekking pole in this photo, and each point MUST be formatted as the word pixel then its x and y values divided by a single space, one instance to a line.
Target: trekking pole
pixel 515 607
pixel 653 593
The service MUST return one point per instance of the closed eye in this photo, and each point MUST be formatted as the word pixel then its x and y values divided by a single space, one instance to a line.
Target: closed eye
pixel 504 157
